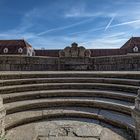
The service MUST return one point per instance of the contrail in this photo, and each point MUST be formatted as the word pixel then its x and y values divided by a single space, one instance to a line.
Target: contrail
pixel 64 27
pixel 108 25
pixel 91 30
pixel 125 23
pixel 111 26
pixel 87 31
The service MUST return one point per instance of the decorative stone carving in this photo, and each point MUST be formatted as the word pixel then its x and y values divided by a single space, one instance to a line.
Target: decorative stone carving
pixel 136 116
pixel 87 53
pixel 67 52
pixel 2 117
pixel 81 51
pixel 74 51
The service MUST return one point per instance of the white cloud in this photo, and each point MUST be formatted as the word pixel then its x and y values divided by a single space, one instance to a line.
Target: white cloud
pixel 115 40
pixel 82 12
pixel 126 17
pixel 65 27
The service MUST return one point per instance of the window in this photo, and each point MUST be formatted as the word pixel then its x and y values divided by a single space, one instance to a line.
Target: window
pixel 135 49
pixel 20 50
pixel 5 50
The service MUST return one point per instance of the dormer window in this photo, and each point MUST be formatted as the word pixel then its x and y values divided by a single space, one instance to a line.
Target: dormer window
pixel 20 50
pixel 5 50
pixel 135 49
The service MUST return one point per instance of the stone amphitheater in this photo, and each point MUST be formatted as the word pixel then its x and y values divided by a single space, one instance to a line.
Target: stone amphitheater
pixel 70 105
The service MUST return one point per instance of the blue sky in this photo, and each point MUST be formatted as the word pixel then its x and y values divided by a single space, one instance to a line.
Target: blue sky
pixel 53 24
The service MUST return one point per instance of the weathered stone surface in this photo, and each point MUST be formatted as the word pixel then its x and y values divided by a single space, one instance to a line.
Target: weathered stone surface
pixel 66 138
pixel 82 51
pixel 31 110
pixel 109 135
pixel 67 52
pixel 2 118
pixel 136 116
pixel 64 130
pixel 74 51
pixel 25 132
pixel 68 61
pixel 88 131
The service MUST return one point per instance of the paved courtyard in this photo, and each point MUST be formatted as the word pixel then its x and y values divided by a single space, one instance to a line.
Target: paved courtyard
pixel 66 130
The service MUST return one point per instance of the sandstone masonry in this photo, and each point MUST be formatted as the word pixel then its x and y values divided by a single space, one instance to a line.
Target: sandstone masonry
pixel 2 117
pixel 38 63
pixel 136 116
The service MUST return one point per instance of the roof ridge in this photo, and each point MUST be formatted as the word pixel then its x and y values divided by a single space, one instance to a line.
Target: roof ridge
pixel 26 43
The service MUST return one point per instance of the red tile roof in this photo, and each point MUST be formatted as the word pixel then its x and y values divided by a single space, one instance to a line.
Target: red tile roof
pixel 13 45
pixel 133 41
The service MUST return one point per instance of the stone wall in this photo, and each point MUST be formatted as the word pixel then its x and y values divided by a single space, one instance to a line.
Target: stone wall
pixel 75 63
pixel 27 63
pixel 2 118
pixel 117 63
pixel 111 63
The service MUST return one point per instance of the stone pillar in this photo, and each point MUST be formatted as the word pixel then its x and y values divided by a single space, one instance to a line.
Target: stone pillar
pixel 136 116
pixel 2 118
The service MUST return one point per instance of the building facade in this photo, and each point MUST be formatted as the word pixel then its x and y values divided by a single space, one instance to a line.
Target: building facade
pixel 16 47
pixel 131 46
pixel 21 47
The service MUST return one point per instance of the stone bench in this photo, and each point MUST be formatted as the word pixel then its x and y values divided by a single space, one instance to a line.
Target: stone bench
pixel 67 102
pixel 21 96
pixel 109 117
pixel 104 96
pixel 11 82
pixel 51 74
pixel 50 86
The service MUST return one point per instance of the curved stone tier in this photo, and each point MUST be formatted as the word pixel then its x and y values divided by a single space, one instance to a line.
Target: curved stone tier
pixel 2 118
pixel 10 82
pixel 93 93
pixel 107 97
pixel 55 74
pixel 50 86
pixel 109 117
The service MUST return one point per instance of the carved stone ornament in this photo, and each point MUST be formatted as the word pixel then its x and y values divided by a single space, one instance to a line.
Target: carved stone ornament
pixel 74 51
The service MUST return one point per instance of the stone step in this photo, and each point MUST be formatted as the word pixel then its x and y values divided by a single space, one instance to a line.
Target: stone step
pixel 70 80
pixel 110 117
pixel 67 138
pixel 50 86
pixel 115 105
pixel 20 96
pixel 50 74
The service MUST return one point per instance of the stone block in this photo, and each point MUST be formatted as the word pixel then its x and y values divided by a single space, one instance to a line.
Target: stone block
pixel 136 116
pixel 2 118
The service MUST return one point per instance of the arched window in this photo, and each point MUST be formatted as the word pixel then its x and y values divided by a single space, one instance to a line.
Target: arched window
pixel 5 50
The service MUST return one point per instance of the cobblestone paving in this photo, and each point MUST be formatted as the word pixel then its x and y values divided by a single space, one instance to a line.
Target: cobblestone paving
pixel 65 130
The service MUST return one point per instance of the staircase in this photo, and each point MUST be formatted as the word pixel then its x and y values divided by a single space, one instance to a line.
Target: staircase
pixel 34 96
